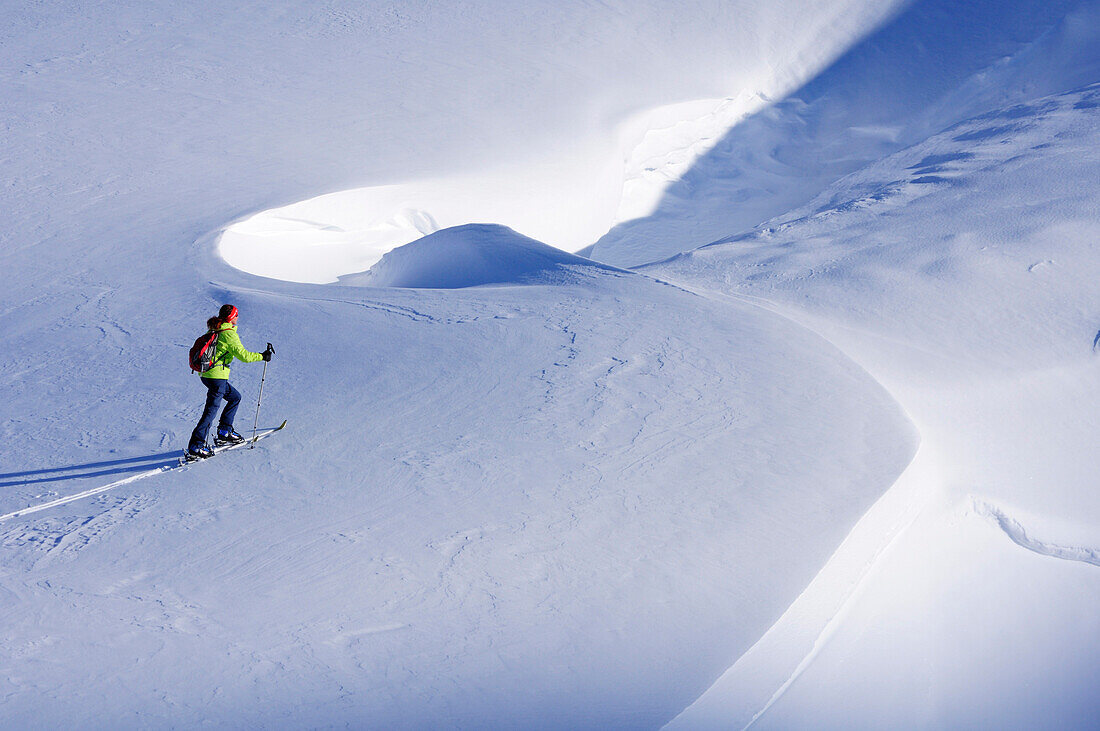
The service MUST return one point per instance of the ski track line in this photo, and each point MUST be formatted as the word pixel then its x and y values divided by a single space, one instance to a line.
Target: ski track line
pixel 1016 532
pixel 834 622
pixel 86 493
pixel 118 483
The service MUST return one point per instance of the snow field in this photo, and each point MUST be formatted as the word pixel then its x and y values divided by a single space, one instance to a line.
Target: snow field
pixel 578 497
pixel 496 534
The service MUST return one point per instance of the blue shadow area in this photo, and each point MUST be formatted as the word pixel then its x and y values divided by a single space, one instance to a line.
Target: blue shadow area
pixel 921 72
pixel 90 469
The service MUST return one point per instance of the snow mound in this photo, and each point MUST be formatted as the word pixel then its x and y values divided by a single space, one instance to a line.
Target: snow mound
pixel 469 256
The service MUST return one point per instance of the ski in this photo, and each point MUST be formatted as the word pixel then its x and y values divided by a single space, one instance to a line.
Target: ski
pixel 187 459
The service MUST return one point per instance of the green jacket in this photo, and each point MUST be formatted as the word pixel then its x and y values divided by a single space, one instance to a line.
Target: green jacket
pixel 229 347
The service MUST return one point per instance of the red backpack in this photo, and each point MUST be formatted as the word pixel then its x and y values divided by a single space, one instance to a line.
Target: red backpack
pixel 201 356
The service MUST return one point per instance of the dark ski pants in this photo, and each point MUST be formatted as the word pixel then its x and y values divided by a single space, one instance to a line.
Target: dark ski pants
pixel 216 390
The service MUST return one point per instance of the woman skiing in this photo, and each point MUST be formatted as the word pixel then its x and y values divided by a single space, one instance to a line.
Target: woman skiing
pixel 216 380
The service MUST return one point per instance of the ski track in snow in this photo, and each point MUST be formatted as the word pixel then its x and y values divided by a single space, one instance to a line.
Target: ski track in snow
pixel 110 486
pixel 856 589
pixel 1019 535
pixel 831 625
pixel 999 518
pixel 85 494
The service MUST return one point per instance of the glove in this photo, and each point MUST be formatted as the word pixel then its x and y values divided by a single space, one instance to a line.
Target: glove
pixel 269 352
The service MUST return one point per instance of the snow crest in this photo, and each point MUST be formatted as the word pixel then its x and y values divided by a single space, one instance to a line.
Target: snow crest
pixel 470 256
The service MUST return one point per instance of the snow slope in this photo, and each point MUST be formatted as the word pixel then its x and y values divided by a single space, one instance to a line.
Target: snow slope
pixel 933 64
pixel 962 272
pixel 503 505
pixel 492 506
pixel 836 468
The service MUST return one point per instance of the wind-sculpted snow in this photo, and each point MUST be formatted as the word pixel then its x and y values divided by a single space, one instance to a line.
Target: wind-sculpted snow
pixel 1020 536
pixel 932 65
pixel 918 244
pixel 959 271
pixel 576 502
pixel 556 120
pixel 469 256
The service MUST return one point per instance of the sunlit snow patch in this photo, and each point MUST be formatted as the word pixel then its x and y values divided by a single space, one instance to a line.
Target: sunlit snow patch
pixel 469 256
pixel 569 197
pixel 662 144
pixel 319 239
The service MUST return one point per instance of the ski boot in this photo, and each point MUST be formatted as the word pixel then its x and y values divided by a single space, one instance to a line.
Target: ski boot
pixel 227 435
pixel 196 453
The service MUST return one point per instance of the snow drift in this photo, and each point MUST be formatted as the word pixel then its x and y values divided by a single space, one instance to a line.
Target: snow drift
pixel 962 272
pixel 933 64
pixel 469 256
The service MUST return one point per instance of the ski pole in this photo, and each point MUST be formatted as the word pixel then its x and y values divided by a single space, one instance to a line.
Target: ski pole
pixel 263 377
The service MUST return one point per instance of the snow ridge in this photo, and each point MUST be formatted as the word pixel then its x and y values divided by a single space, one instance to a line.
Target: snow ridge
pixel 1019 535
pixel 831 624
pixel 471 256
pixel 992 209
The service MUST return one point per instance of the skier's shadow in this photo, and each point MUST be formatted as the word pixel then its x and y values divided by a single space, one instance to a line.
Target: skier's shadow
pixel 91 469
